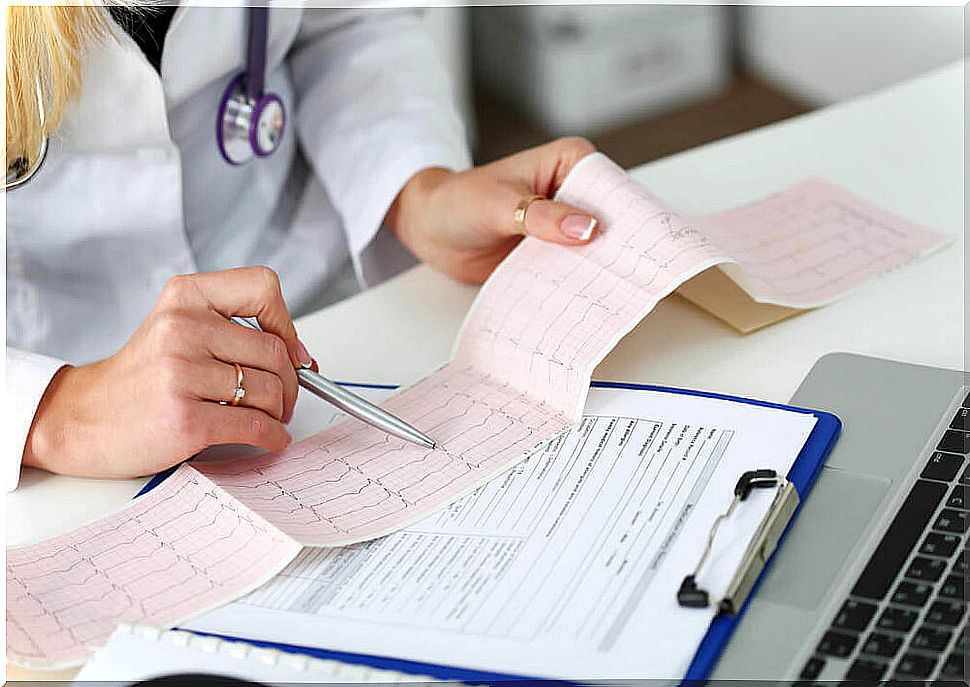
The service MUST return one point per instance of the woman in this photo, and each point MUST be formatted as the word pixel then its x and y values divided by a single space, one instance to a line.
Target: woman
pixel 116 366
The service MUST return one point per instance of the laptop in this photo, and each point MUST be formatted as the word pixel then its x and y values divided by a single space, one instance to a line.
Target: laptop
pixel 870 582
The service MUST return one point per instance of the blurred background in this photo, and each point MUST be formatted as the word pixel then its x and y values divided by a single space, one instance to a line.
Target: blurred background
pixel 646 81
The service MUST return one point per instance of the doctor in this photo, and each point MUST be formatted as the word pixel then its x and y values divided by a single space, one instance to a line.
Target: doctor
pixel 318 147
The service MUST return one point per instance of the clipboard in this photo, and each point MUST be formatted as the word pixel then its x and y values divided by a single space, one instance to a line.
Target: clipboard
pixel 801 476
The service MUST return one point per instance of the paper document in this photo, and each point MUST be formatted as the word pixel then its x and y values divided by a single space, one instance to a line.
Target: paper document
pixel 567 566
pixel 518 378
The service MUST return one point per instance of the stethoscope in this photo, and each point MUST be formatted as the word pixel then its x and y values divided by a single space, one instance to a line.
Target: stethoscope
pixel 249 123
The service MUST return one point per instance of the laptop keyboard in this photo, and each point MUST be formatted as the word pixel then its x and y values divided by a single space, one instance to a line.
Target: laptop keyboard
pixel 906 617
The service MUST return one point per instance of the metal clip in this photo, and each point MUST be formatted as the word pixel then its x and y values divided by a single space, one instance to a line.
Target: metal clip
pixel 762 545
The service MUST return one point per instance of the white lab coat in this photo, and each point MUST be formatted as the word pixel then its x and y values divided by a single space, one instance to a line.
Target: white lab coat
pixel 134 189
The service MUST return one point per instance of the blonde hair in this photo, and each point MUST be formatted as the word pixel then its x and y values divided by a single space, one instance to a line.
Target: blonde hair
pixel 44 47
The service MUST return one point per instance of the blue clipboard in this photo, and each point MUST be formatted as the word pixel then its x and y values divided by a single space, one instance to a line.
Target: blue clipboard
pixel 802 475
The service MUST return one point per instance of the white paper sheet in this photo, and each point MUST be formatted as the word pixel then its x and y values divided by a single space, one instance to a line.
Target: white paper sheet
pixel 565 567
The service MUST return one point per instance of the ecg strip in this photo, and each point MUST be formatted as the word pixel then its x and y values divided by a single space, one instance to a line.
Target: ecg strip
pixel 519 377
pixel 353 482
pixel 550 313
pixel 810 244
pixel 183 548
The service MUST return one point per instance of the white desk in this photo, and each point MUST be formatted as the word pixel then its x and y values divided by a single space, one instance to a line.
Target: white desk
pixel 901 148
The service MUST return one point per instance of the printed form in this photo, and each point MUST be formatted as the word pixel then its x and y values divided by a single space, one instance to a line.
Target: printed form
pixel 566 566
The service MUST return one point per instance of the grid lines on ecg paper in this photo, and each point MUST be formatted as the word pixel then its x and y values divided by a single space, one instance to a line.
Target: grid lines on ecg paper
pixel 353 481
pixel 190 542
pixel 559 310
pixel 809 244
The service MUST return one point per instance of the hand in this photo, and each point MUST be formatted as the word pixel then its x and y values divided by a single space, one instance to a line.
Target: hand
pixel 156 401
pixel 462 223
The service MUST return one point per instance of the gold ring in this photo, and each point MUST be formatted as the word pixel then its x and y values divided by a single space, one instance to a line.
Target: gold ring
pixel 520 210
pixel 239 393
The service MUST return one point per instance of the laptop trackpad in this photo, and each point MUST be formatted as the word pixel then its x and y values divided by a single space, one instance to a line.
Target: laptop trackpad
pixel 834 516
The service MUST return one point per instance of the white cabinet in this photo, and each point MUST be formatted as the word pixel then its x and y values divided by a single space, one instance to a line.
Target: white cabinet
pixel 577 69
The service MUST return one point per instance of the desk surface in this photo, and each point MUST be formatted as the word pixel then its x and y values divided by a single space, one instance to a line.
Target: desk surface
pixel 901 148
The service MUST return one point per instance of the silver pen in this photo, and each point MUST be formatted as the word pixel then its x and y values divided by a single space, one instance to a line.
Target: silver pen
pixel 351 403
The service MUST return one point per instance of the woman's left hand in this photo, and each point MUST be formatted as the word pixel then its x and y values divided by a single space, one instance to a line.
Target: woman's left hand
pixel 463 223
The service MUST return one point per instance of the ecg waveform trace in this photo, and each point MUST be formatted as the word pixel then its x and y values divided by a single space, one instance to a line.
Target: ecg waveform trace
pixel 353 482
pixel 550 313
pixel 216 529
pixel 172 553
pixel 808 245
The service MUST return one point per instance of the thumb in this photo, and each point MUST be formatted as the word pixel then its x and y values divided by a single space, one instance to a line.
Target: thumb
pixel 559 223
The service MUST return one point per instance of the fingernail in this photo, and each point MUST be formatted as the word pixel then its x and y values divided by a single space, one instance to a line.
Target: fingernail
pixel 578 227
pixel 302 354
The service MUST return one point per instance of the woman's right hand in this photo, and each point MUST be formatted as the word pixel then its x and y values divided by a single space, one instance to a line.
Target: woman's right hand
pixel 156 401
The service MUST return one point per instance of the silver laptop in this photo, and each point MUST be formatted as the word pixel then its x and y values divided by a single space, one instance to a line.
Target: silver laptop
pixel 870 583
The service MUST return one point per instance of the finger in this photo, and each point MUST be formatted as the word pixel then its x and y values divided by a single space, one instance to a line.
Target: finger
pixel 215 381
pixel 559 223
pixel 545 167
pixel 231 343
pixel 246 292
pixel 216 424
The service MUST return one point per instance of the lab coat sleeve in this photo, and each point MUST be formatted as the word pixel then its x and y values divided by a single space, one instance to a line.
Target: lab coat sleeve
pixel 374 106
pixel 28 375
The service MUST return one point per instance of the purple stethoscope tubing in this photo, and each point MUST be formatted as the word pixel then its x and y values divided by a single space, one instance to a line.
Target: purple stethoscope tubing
pixel 246 111
pixel 256 63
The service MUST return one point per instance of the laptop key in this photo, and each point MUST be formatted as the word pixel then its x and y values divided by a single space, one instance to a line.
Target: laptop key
pixel 866 669
pixel 952 521
pixel 954 666
pixel 930 569
pixel 965 477
pixel 942 466
pixel 962 640
pixel 945 613
pixel 960 567
pixel 939 544
pixel 897 619
pixel 882 645
pixel 911 594
pixel 958 497
pixel 854 615
pixel 961 420
pixel 813 668
pixel 930 639
pixel 901 537
pixel 836 644
pixel 915 665
pixel 955 441
pixel 952 587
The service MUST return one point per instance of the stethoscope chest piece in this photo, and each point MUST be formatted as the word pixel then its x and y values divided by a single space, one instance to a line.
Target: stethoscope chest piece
pixel 248 127
pixel 250 121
